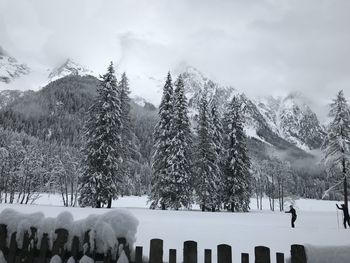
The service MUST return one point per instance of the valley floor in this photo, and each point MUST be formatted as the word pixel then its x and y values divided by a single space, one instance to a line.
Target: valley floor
pixel 317 224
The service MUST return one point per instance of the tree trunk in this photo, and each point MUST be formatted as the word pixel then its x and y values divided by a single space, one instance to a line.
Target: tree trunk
pixel 345 183
pixel 232 206
pixel 345 187
pixel 109 205
pixel 66 190
pixel 282 197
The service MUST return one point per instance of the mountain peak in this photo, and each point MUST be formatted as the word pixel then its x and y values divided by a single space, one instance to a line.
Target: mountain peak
pixel 69 67
pixel 10 68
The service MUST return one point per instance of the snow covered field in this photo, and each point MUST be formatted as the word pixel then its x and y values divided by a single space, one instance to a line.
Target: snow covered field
pixel 316 224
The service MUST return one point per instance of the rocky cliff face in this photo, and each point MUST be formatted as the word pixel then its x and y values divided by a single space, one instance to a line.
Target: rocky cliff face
pixel 285 123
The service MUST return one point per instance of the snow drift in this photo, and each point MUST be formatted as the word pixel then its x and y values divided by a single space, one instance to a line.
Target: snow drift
pixel 104 230
pixel 327 254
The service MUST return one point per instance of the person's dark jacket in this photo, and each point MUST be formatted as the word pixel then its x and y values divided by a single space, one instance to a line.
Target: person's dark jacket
pixel 344 209
pixel 293 212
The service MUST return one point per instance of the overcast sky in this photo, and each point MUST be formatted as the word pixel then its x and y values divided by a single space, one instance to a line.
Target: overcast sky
pixel 259 46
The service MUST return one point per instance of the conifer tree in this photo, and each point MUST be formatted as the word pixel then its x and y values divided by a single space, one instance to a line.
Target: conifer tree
pixel 337 142
pixel 102 180
pixel 217 125
pixel 127 147
pixel 207 168
pixel 160 182
pixel 180 193
pixel 218 132
pixel 237 175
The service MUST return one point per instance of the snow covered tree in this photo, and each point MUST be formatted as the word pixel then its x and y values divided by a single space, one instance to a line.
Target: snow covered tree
pixel 102 179
pixel 237 175
pixel 127 147
pixel 163 134
pixel 180 192
pixel 217 130
pixel 207 167
pixel 217 125
pixel 337 142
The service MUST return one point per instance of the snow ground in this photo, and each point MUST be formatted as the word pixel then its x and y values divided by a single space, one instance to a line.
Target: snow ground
pixel 316 225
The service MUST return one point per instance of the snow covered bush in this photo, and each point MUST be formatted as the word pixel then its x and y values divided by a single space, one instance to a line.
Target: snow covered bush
pixel 104 230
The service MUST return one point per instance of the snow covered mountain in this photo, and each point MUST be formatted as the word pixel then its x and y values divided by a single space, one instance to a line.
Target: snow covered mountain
pixel 10 68
pixel 69 67
pixel 139 100
pixel 293 120
pixel 285 123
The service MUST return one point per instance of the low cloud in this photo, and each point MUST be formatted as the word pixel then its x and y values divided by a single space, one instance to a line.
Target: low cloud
pixel 263 47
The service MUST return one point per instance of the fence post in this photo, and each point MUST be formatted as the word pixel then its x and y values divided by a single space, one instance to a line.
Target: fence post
pixel 122 240
pixel 44 249
pixel 207 255
pixel 86 244
pixel 224 254
pixel 107 258
pixel 138 255
pixel 12 249
pixel 75 248
pixel 245 258
pixel 28 246
pixel 3 236
pixel 279 257
pixel 58 244
pixel 298 254
pixel 172 255
pixel 262 254
pixel 156 251
pixel 190 252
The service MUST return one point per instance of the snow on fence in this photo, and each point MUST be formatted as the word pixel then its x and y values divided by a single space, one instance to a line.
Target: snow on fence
pixel 34 238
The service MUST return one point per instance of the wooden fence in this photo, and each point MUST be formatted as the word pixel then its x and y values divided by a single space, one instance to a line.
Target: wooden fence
pixel 224 254
pixel 31 253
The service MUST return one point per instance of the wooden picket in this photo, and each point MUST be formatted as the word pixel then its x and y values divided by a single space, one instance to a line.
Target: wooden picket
pixel 31 253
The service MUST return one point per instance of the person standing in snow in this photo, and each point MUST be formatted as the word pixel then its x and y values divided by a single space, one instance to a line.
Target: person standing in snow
pixel 294 215
pixel 345 214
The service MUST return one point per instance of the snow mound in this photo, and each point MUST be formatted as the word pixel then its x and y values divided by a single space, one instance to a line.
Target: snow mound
pixel 55 259
pixel 327 254
pixel 104 230
pixel 86 259
pixel 2 258
pixel 19 223
pixel 123 258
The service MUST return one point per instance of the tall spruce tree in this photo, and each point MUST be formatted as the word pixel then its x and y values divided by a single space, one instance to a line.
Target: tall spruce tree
pixel 337 142
pixel 127 147
pixel 218 132
pixel 163 135
pixel 180 192
pixel 237 177
pixel 102 180
pixel 207 167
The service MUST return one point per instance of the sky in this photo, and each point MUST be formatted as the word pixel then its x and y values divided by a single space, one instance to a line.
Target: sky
pixel 261 47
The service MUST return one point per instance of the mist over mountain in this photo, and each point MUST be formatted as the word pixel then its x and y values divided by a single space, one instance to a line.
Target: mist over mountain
pixel 10 68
